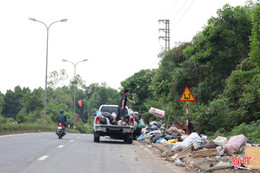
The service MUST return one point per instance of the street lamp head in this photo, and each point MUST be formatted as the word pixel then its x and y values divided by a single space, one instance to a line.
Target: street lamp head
pixel 85 59
pixel 32 19
pixel 64 20
pixel 64 60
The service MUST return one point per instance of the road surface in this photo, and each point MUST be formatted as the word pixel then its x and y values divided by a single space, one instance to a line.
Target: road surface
pixel 75 153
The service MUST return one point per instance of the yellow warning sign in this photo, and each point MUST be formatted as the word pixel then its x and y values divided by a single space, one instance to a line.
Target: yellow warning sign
pixel 187 96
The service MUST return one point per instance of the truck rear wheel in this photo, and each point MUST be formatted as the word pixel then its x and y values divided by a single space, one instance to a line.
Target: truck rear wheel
pixel 129 139
pixel 96 137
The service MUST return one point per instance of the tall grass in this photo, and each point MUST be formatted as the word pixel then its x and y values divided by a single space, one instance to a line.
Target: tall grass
pixel 6 128
pixel 251 131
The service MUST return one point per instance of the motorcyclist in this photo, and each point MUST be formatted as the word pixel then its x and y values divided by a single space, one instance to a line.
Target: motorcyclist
pixel 61 118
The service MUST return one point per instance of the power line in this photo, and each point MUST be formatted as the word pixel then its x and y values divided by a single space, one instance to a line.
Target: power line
pixel 185 11
pixel 180 9
pixel 166 30
pixel 170 8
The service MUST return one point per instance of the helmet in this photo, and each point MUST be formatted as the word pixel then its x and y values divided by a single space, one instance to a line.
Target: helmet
pixel 61 111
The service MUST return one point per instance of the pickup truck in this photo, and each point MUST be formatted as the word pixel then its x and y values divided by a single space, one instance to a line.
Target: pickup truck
pixel 103 125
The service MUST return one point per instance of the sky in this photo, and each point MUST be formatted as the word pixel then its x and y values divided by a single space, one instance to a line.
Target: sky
pixel 118 37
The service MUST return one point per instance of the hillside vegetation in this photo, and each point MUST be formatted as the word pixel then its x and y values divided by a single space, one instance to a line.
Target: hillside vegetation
pixel 221 66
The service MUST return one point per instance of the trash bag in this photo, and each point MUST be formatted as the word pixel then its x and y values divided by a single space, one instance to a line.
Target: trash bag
pixel 168 137
pixel 192 137
pixel 199 142
pixel 137 117
pixel 153 132
pixel 127 118
pixel 108 115
pixel 160 123
pixel 154 127
pixel 148 130
pixel 234 144
pixel 135 125
pixel 157 136
pixel 163 141
pixel 159 140
pixel 173 140
pixel 103 120
pixel 173 133
pixel 140 138
pixel 141 124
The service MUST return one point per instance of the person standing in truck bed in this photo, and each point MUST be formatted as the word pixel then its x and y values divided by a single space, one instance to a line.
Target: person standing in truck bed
pixel 121 107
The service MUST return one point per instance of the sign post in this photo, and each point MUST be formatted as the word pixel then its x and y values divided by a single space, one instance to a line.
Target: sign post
pixel 187 96
pixel 187 118
pixel 76 118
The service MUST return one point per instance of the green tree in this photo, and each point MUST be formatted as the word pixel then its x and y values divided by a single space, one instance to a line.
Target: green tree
pixel 106 95
pixel 224 43
pixel 34 100
pixel 138 84
pixel 55 78
pixel 243 86
pixel 1 102
pixel 255 38
pixel 13 101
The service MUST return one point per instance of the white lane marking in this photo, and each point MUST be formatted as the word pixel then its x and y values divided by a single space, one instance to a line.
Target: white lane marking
pixel 43 157
pixel 61 146
pixel 71 140
pixel 78 137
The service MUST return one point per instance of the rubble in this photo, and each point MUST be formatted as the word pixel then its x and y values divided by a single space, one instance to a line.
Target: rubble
pixel 196 153
pixel 205 153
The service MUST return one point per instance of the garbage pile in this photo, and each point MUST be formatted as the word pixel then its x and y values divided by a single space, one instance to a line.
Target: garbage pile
pixel 157 133
pixel 107 118
pixel 197 153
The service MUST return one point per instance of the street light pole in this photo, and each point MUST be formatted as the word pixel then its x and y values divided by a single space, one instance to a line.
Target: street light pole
pixel 46 72
pixel 75 65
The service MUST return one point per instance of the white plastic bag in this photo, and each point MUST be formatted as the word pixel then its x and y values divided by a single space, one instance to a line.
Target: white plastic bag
pixel 189 140
pixel 157 112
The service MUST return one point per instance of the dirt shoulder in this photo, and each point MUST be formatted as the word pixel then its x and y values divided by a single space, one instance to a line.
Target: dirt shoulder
pixel 155 152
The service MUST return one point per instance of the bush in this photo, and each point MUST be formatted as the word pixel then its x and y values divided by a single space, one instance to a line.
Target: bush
pixel 14 127
pixel 251 131
pixel 210 118
pixel 17 128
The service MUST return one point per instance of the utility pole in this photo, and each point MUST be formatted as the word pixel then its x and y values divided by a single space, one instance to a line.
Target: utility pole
pixel 166 38
pixel 166 30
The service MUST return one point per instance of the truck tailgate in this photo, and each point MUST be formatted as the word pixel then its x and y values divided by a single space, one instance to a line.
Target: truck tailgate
pixel 114 128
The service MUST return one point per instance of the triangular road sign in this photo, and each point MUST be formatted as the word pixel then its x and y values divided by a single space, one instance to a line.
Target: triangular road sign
pixel 187 96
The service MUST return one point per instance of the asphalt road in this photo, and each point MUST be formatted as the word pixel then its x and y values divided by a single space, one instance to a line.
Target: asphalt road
pixel 75 153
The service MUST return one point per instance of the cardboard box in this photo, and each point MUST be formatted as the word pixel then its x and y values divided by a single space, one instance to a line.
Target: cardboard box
pixel 254 153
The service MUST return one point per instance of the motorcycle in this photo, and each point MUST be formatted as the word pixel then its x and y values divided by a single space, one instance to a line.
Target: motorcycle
pixel 60 130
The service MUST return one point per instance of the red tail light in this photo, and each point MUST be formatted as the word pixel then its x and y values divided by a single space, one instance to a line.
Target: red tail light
pixel 131 121
pixel 59 124
pixel 98 119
